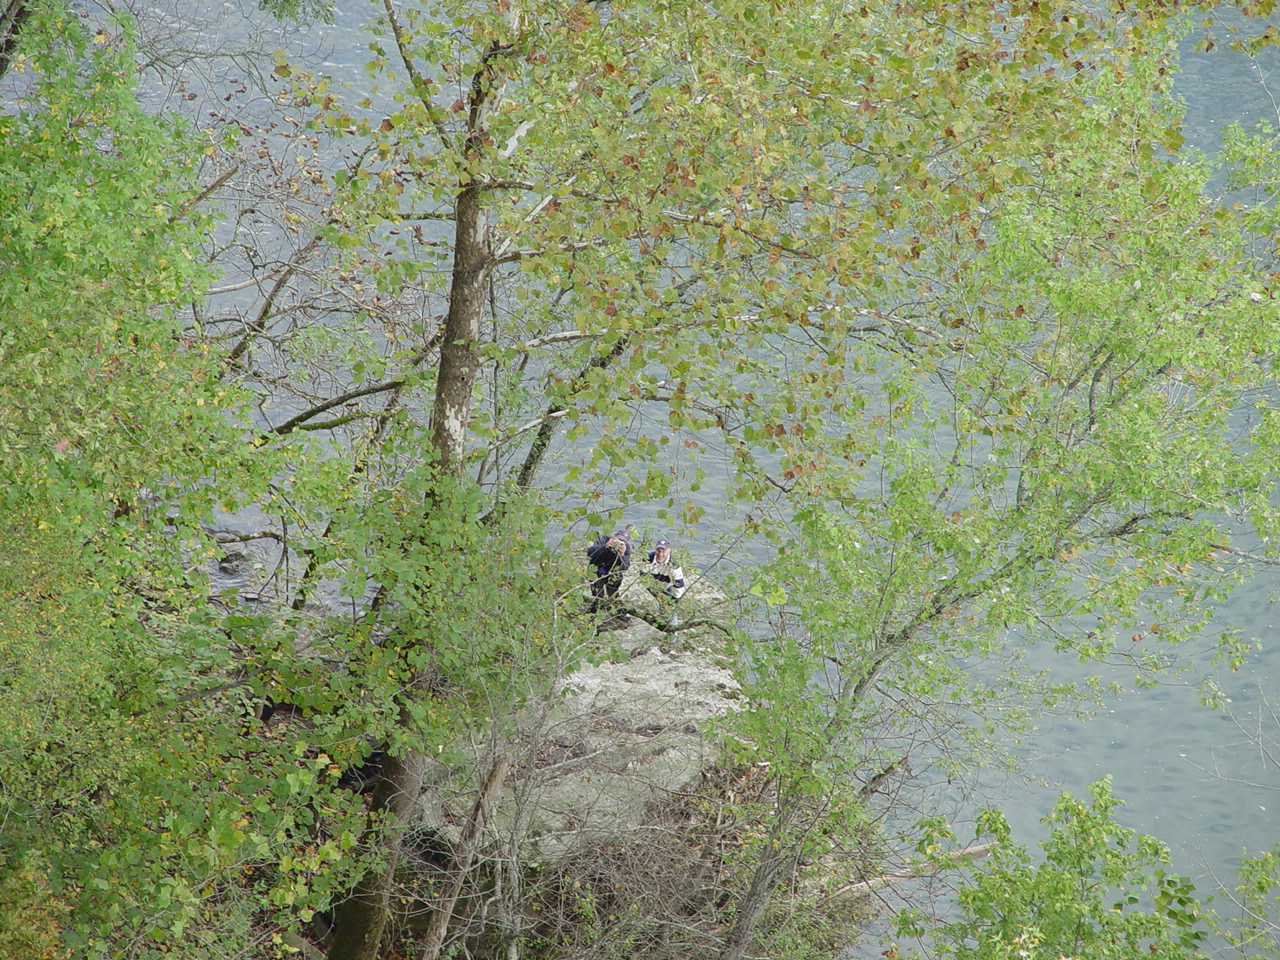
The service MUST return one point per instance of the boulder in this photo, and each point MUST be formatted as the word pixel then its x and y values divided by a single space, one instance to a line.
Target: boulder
pixel 623 736
pixel 620 735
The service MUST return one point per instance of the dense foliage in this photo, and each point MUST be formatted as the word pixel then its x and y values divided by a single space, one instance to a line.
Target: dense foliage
pixel 1098 892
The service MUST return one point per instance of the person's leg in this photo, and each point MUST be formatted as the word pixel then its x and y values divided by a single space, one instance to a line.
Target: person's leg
pixel 612 582
pixel 673 618
pixel 598 594
pixel 608 589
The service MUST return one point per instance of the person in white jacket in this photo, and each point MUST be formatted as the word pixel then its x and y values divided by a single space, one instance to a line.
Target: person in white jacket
pixel 664 578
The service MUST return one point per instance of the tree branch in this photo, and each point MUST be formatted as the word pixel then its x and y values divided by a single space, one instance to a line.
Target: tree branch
pixel 294 423
pixel 247 537
pixel 434 113
pixel 1246 555
pixel 956 858
pixel 438 925
pixel 195 201
pixel 345 418
pixel 259 323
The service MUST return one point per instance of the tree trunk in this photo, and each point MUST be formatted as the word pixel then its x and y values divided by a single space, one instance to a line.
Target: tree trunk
pixel 438 925
pixel 361 920
pixel 459 357
pixel 779 859
pixel 13 13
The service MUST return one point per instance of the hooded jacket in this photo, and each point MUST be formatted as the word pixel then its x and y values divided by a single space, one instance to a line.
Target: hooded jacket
pixel 605 559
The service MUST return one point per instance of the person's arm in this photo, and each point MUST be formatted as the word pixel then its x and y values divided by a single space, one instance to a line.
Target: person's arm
pixel 677 581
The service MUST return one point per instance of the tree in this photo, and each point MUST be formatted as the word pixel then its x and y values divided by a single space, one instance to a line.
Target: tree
pixel 1249 921
pixel 121 731
pixel 1098 892
pixel 1042 472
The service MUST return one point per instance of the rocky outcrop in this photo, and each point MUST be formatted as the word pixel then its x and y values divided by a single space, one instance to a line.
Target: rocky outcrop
pixel 619 737
pixel 624 736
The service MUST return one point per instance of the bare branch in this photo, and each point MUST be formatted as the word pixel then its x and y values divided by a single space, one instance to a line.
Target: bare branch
pixel 517 255
pixel 294 423
pixel 260 321
pixel 233 287
pixel 956 858
pixel 531 425
pixel 248 537
pixel 346 418
pixel 438 925
pixel 529 218
pixel 564 336
pixel 1246 555
pixel 204 194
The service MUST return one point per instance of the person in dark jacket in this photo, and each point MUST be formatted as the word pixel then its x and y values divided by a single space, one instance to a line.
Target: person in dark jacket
pixel 664 578
pixel 611 557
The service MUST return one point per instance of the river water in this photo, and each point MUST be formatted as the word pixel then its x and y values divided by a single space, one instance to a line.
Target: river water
pixel 1203 781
